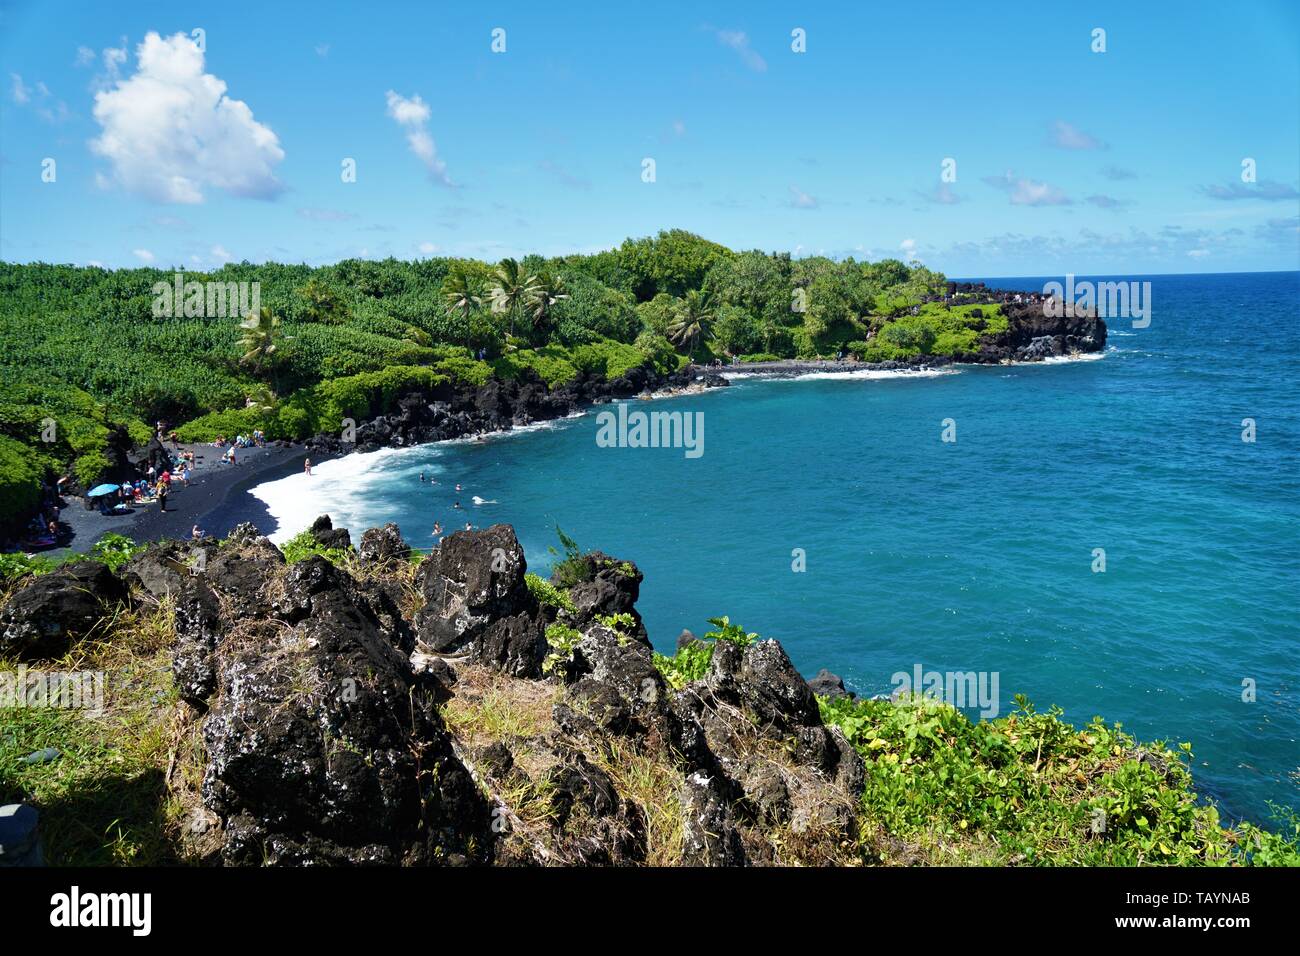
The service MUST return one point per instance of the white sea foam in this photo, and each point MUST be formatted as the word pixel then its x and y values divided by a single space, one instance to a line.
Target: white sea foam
pixel 350 489
pixel 342 488
pixel 862 374
pixel 1076 357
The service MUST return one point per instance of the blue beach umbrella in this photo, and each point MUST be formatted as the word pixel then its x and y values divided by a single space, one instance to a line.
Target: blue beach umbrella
pixel 102 490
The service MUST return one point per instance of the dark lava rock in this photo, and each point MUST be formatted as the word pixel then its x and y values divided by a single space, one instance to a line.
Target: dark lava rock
pixel 826 684
pixel 199 628
pixel 161 568
pixel 49 612
pixel 761 679
pixel 324 746
pixel 609 586
pixel 685 639
pixel 383 546
pixel 765 792
pixel 476 602
pixel 327 536
pixel 709 834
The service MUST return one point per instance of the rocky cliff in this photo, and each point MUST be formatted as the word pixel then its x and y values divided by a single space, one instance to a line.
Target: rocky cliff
pixel 458 711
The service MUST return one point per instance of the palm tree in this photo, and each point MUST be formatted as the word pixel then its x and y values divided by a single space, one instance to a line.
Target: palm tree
pixel 515 288
pixel 261 339
pixel 694 321
pixel 549 289
pixel 463 296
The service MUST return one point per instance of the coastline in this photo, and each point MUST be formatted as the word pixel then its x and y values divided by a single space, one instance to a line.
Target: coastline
pixel 219 498
pixel 216 500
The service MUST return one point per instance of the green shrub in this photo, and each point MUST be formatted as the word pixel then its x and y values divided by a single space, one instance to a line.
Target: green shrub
pixel 548 594
pixel 572 568
pixel 20 481
pixel 227 423
pixel 15 565
pixel 115 550
pixel 689 664
pixel 731 633
pixel 1029 788
pixel 304 545
pixel 562 639
pixel 551 363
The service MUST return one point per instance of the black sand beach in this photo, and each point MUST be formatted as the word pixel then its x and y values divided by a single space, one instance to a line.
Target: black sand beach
pixel 216 499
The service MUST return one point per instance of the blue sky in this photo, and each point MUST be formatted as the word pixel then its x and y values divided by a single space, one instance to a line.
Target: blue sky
pixel 1067 160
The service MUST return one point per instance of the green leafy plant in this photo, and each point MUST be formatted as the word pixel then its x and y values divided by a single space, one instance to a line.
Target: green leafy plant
pixel 689 664
pixel 562 640
pixel 304 545
pixel 573 568
pixel 115 550
pixel 731 633
pixel 1030 788
pixel 548 594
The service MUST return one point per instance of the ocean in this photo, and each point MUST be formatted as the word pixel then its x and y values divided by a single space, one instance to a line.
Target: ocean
pixel 828 512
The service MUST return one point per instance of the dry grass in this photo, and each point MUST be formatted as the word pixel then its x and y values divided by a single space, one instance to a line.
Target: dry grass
pixel 118 792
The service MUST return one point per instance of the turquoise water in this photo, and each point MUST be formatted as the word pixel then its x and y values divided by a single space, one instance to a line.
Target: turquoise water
pixel 968 556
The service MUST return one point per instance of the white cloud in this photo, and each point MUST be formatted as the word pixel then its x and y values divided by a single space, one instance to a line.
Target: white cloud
pixel 1028 192
pixel 801 200
pixel 317 214
pixel 85 56
pixel 171 132
pixel 909 249
pixel 40 99
pixel 322 49
pixel 738 40
pixel 1198 253
pixel 413 115
pixel 428 248
pixel 943 195
pixel 144 255
pixel 114 57
pixel 219 252
pixel 1071 137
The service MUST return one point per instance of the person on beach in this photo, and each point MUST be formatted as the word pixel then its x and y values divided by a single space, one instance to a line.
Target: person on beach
pixel 306 466
pixel 161 491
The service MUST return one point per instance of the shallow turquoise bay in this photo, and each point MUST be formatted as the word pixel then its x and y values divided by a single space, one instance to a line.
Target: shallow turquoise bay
pixel 968 556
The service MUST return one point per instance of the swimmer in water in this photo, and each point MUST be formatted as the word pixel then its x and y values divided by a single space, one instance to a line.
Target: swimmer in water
pixel 458 487
pixel 422 476
pixel 456 505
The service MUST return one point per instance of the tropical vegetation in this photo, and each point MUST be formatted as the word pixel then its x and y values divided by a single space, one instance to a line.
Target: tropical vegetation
pixel 83 349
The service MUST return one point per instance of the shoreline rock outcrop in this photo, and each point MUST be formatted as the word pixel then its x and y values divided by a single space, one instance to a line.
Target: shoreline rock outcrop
pixel 368 712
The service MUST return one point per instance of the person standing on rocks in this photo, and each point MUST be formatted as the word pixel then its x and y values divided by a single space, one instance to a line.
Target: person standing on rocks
pixel 161 491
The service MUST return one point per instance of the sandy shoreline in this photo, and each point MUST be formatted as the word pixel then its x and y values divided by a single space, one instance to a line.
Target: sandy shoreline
pixel 216 500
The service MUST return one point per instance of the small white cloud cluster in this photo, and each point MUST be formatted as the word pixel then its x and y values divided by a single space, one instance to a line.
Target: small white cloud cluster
pixel 170 132
pixel 413 115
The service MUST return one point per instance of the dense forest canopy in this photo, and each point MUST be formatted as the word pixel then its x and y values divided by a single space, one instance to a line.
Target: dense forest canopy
pixel 85 348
